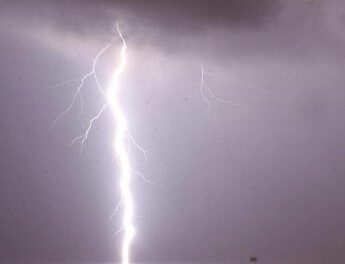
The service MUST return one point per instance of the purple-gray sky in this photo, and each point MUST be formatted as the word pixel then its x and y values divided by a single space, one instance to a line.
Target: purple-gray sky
pixel 260 176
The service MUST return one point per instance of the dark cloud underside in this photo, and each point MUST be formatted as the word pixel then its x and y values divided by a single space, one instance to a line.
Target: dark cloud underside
pixel 184 16
pixel 244 13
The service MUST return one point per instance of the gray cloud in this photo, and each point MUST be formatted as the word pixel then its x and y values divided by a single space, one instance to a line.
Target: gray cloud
pixel 190 15
pixel 248 27
pixel 185 16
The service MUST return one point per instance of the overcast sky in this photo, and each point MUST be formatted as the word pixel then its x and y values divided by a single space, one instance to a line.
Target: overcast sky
pixel 260 174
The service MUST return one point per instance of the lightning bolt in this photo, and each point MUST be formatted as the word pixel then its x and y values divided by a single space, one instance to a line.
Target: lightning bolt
pixel 120 149
pixel 121 137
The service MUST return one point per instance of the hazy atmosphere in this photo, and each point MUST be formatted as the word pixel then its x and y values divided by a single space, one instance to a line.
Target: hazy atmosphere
pixel 237 104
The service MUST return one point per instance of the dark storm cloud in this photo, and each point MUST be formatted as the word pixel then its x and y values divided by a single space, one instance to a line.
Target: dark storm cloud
pixel 173 26
pixel 186 26
pixel 190 15
pixel 246 13
pixel 177 25
pixel 181 17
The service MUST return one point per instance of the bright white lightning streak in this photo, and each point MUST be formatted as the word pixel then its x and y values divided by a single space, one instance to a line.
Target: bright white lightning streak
pixel 120 148
pixel 121 137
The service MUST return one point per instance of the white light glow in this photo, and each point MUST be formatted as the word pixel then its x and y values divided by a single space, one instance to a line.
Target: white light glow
pixel 120 148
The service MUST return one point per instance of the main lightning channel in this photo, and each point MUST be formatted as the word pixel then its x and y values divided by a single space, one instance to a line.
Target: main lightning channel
pixel 122 136
pixel 120 149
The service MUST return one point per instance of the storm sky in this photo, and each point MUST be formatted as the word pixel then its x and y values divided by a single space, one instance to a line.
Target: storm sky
pixel 261 174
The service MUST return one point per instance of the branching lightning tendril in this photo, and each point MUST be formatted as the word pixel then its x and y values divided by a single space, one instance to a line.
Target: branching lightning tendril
pixel 77 93
pixel 206 92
